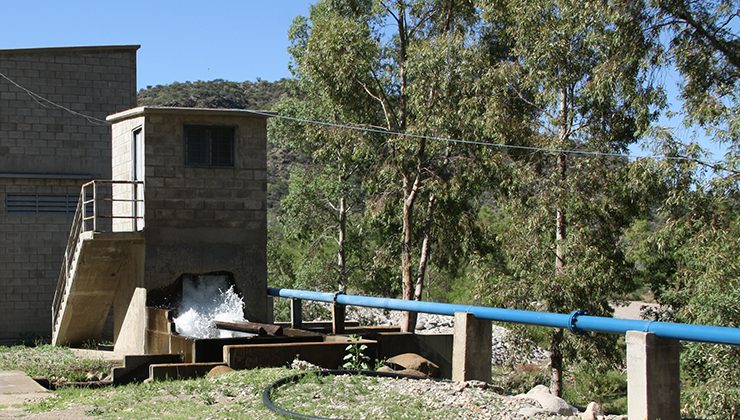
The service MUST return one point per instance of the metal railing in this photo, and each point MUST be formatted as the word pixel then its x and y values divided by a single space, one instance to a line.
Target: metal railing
pixel 576 321
pixel 101 203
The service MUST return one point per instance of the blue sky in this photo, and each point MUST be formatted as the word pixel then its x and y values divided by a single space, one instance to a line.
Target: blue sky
pixel 180 40
pixel 185 41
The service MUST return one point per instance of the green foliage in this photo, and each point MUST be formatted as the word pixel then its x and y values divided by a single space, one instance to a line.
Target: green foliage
pixel 518 380
pixel 703 46
pixel 355 357
pixel 607 387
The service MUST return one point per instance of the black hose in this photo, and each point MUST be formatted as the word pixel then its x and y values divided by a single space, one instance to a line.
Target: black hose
pixel 267 400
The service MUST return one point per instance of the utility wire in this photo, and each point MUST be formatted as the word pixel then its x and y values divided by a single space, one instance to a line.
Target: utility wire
pixel 714 165
pixel 40 100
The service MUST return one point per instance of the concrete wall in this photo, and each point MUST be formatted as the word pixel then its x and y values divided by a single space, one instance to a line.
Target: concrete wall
pixel 203 219
pixel 45 150
pixel 122 169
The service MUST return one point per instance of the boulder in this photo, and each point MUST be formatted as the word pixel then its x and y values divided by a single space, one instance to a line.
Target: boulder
pixel 414 362
pixel 593 412
pixel 219 370
pixel 551 403
pixel 385 369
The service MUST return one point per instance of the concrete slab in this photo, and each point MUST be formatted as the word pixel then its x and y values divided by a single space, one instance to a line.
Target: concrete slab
pixel 17 382
pixel 17 388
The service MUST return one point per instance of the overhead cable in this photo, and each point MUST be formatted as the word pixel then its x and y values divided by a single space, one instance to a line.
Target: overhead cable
pixel 41 100
pixel 713 165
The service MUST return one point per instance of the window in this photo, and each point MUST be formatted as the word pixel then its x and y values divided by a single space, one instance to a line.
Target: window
pixel 209 145
pixel 41 203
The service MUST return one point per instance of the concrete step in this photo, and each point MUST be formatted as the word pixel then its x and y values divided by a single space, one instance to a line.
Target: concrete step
pixel 136 367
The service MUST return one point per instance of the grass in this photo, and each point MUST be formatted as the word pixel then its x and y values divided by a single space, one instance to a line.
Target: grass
pixel 348 396
pixel 234 395
pixel 238 394
pixel 58 364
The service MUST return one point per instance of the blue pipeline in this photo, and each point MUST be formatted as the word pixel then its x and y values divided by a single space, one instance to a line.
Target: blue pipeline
pixel 576 321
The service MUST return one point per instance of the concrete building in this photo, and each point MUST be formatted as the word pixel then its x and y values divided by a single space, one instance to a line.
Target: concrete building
pixel 189 200
pixel 46 153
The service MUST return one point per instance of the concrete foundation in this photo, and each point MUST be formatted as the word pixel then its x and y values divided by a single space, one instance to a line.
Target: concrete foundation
pixel 471 348
pixel 653 381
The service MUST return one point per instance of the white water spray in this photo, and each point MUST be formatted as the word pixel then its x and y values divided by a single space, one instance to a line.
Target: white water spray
pixel 205 299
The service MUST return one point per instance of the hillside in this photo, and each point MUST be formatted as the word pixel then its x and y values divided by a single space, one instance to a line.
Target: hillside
pixel 259 95
pixel 215 94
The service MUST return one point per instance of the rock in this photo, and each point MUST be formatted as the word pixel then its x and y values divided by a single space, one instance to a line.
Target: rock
pixel 593 412
pixel 412 372
pixel 528 412
pixel 414 362
pixel 551 403
pixel 94 376
pixel 219 370
pixel 299 364
pixel 385 369
pixel 476 384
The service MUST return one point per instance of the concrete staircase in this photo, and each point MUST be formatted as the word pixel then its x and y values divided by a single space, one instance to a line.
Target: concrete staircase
pixel 88 283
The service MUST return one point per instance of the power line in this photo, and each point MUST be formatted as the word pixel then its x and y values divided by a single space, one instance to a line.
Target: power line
pixel 713 165
pixel 41 100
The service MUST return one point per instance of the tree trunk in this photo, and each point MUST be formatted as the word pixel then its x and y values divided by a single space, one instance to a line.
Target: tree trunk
pixel 407 323
pixel 426 249
pixel 556 363
pixel 341 239
pixel 560 224
pixel 408 320
pixel 556 356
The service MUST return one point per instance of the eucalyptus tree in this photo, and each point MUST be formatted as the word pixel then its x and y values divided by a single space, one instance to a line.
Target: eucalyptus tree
pixel 687 251
pixel 582 69
pixel 399 68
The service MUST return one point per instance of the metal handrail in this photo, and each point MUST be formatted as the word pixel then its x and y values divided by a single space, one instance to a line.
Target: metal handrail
pixel 80 226
pixel 576 321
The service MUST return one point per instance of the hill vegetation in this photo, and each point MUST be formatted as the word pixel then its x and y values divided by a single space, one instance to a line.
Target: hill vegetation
pixel 259 95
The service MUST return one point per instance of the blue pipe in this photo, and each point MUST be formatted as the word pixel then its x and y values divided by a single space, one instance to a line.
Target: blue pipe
pixel 576 321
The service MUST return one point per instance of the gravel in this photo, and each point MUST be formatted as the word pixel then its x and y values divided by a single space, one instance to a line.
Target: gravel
pixel 438 399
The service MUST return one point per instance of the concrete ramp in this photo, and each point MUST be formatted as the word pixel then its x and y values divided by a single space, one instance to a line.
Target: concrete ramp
pixel 99 263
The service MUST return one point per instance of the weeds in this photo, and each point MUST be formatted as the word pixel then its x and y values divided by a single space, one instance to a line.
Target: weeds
pixel 356 359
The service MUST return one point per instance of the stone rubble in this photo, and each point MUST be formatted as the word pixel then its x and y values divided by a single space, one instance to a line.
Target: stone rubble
pixel 475 401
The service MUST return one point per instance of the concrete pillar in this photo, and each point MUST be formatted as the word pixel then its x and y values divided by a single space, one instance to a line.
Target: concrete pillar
pixel 296 313
pixel 653 381
pixel 129 306
pixel 337 318
pixel 471 348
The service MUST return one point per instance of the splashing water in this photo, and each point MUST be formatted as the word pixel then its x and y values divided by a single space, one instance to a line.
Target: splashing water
pixel 204 299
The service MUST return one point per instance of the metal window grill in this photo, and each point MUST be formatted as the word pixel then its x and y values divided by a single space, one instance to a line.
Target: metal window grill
pixel 209 146
pixel 41 203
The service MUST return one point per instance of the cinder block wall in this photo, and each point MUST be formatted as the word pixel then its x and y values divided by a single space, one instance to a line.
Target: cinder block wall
pixel 46 150
pixel 201 219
